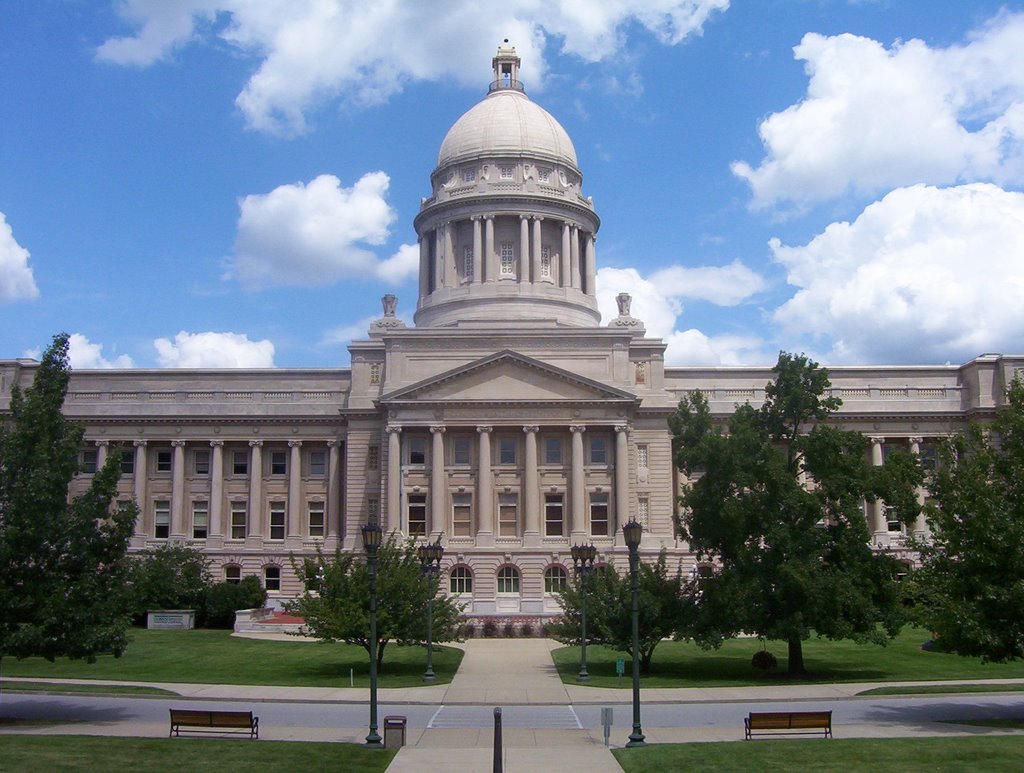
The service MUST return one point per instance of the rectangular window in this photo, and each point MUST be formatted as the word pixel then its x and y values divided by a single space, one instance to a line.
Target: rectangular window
pixel 127 461
pixel 554 515
pixel 163 461
pixel 317 463
pixel 643 512
pixel 462 450
pixel 508 515
pixel 462 515
pixel 892 523
pixel 277 520
pixel 201 463
pixel 373 458
pixel 508 259
pixel 506 450
pixel 372 510
pixel 552 450
pixel 240 463
pixel 315 513
pixel 417 515
pixel 467 262
pixel 417 450
pixel 599 515
pixel 507 172
pixel 468 175
pixel 374 372
pixel 545 262
pixel 642 456
pixel 200 519
pixel 88 459
pixel 161 519
pixel 543 175
pixel 239 516
pixel 598 450
pixel 278 462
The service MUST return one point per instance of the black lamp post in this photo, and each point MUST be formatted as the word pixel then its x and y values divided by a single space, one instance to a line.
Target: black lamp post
pixel 430 565
pixel 631 532
pixel 583 560
pixel 371 541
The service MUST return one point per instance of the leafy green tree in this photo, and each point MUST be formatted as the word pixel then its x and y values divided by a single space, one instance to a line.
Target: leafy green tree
pixel 63 561
pixel 776 510
pixel 222 599
pixel 336 602
pixel 665 601
pixel 972 580
pixel 168 577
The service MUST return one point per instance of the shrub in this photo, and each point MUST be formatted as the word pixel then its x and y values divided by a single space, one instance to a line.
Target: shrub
pixel 764 660
pixel 223 599
pixel 490 629
pixel 526 629
pixel 509 631
pixel 168 577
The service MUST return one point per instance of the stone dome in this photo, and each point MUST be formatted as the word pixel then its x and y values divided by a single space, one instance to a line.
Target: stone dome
pixel 507 123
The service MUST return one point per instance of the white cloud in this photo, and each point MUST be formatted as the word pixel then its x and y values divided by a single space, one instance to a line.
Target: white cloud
pixel 924 275
pixel 875 118
pixel 721 285
pixel 213 350
pixel 85 355
pixel 400 266
pixel 657 310
pixel 311 234
pixel 16 280
pixel 692 347
pixel 313 51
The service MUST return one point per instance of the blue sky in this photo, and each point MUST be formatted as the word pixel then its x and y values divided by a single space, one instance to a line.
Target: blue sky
pixel 201 183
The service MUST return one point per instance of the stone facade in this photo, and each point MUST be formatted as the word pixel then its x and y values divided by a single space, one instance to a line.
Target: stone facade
pixel 508 421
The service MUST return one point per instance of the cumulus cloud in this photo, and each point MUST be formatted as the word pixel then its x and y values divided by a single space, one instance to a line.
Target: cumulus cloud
pixel 314 234
pixel 400 266
pixel 875 118
pixel 362 53
pixel 213 350
pixel 925 275
pixel 83 354
pixel 692 347
pixel 16 280
pixel 721 285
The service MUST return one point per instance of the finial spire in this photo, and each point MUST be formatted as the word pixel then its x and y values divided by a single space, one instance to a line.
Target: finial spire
pixel 506 68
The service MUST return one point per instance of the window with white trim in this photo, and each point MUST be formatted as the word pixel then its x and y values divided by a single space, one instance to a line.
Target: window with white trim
pixel 315 518
pixel 278 462
pixel 127 461
pixel 233 574
pixel 163 460
pixel 317 464
pixel 277 520
pixel 162 518
pixel 460 580
pixel 552 450
pixel 416 450
pixel 272 578
pixel 239 519
pixel 201 462
pixel 462 450
pixel 508 515
pixel 508 259
pixel 555 579
pixel 417 512
pixel 200 518
pixel 240 463
pixel 598 450
pixel 462 515
pixel 88 461
pixel 554 515
pixel 508 580
pixel 599 514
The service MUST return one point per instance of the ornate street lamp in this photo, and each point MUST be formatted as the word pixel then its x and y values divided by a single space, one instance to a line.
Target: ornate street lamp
pixel 583 561
pixel 430 566
pixel 371 541
pixel 632 532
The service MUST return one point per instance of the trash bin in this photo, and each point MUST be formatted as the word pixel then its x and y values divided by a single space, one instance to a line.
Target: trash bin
pixel 394 732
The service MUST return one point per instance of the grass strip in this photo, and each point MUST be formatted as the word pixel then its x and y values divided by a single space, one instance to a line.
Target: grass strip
pixel 943 689
pixel 71 754
pixel 879 755
pixel 66 688
pixel 684 664
pixel 216 657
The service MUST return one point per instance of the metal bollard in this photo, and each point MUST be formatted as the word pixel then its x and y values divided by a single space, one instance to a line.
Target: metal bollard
pixel 497 740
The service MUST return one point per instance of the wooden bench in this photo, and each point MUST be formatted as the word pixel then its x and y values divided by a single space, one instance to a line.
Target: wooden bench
pixel 785 722
pixel 214 722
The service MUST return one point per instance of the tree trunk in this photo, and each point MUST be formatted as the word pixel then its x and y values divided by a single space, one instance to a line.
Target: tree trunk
pixel 796 657
pixel 645 662
pixel 380 653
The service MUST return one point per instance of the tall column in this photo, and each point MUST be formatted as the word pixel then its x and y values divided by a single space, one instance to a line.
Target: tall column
pixel 256 490
pixel 524 249
pixel 578 523
pixel 878 524
pixel 294 527
pixel 394 478
pixel 484 489
pixel 490 256
pixel 216 532
pixel 531 490
pixel 178 490
pixel 590 266
pixel 141 477
pixel 921 522
pixel 620 514
pixel 438 493
pixel 424 266
pixel 438 258
pixel 535 250
pixel 101 453
pixel 333 514
pixel 451 274
pixel 565 266
pixel 574 256
pixel 478 250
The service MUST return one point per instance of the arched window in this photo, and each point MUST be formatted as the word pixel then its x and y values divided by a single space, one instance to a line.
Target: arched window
pixel 508 580
pixel 232 573
pixel 555 579
pixel 272 578
pixel 460 580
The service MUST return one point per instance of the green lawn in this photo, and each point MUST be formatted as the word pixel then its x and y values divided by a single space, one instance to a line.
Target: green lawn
pixel 683 664
pixel 63 688
pixel 943 689
pixel 215 657
pixel 886 755
pixel 70 753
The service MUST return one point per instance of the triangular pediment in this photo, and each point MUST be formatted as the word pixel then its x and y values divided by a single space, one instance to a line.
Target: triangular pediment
pixel 507 376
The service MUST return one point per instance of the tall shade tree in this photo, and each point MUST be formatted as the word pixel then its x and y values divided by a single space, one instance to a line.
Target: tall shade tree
pixel 972 579
pixel 63 561
pixel 336 600
pixel 776 510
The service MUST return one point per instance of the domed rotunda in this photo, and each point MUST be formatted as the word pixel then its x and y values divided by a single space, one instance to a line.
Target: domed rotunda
pixel 506 234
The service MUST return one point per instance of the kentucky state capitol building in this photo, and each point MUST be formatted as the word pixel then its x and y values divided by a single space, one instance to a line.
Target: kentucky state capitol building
pixel 507 419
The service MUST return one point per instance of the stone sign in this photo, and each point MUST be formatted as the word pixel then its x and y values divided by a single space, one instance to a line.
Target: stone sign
pixel 171 619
